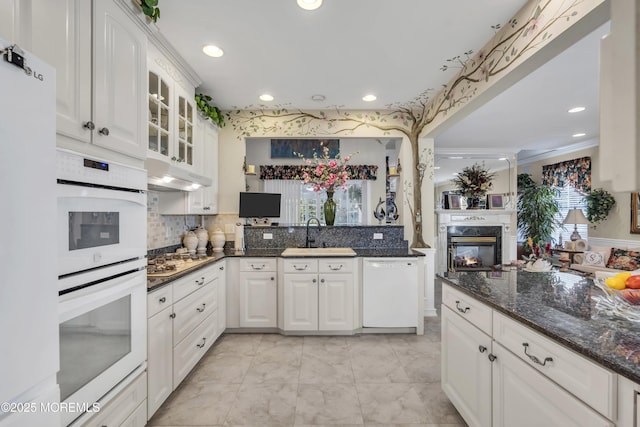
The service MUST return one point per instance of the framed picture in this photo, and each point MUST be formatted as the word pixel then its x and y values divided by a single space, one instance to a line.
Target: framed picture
pixel 496 201
pixel 454 201
pixel 635 212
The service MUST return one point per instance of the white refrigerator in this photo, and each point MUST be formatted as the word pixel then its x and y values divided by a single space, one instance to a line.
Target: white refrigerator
pixel 29 348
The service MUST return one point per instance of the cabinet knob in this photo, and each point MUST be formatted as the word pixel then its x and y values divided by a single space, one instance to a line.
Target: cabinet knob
pixel 492 357
pixel 172 315
pixel 321 280
pixel 222 267
pixel 104 131
pixel 89 125
pixel 314 281
pixel 272 278
pixel 162 300
pixel 482 349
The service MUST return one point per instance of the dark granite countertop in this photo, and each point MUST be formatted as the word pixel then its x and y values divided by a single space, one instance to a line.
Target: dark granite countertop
pixel 559 305
pixel 154 283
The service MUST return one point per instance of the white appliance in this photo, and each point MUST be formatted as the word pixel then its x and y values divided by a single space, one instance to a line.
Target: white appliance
pixel 101 223
pixel 101 209
pixel 29 358
pixel 389 293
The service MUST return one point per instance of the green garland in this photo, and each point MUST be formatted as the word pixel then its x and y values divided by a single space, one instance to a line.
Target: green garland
pixel 150 8
pixel 209 111
pixel 599 204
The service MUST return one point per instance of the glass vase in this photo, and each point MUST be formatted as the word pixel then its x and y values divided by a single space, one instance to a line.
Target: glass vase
pixel 329 209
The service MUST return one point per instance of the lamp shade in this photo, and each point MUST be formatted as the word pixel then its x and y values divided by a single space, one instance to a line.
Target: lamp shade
pixel 575 216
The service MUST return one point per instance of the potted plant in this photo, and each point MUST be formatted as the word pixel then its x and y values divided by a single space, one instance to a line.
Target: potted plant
pixel 537 212
pixel 474 182
pixel 599 204
pixel 209 111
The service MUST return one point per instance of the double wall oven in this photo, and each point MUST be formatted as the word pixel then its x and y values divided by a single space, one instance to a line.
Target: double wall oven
pixel 101 223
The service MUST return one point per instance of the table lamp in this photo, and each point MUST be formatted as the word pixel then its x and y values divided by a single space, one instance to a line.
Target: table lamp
pixel 575 216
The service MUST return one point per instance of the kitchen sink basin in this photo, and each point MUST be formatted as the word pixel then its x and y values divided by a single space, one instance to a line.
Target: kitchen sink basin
pixel 298 252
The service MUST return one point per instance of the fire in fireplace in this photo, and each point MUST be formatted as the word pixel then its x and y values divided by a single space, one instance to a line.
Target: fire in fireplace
pixel 473 248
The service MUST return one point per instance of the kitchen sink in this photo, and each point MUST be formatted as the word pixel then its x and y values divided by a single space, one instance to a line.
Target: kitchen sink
pixel 298 252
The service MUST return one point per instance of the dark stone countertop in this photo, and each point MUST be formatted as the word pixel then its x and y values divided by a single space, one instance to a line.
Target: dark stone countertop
pixel 559 305
pixel 154 283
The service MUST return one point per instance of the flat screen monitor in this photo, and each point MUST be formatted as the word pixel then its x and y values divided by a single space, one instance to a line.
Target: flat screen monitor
pixel 259 205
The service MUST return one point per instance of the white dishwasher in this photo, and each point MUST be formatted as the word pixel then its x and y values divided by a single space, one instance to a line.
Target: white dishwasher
pixel 389 292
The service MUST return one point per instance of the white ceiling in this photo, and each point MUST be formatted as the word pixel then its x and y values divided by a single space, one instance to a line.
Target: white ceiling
pixel 394 49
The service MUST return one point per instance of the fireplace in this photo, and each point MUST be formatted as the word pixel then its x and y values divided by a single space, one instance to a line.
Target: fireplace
pixel 473 247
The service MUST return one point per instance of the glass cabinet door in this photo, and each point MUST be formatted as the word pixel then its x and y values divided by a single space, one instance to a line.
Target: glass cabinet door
pixel 158 114
pixel 185 130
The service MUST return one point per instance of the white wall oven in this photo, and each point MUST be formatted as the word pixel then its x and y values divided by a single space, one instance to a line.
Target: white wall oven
pixel 101 279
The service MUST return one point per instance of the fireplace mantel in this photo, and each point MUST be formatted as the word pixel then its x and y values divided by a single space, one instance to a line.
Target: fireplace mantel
pixel 474 217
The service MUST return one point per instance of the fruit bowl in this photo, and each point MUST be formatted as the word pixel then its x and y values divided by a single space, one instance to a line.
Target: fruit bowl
pixel 623 303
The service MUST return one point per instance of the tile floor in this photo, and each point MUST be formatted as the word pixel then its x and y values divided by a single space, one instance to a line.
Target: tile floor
pixel 274 380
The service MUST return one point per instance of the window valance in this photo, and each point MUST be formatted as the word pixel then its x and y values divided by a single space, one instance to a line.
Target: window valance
pixel 576 173
pixel 364 172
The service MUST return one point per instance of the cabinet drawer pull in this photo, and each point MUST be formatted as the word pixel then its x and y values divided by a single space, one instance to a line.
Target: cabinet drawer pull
pixel 204 340
pixel 333 268
pixel 462 310
pixel 273 278
pixel 200 282
pixel 222 267
pixel 482 349
pixel 300 268
pixel 255 267
pixel 200 310
pixel 162 300
pixel 533 358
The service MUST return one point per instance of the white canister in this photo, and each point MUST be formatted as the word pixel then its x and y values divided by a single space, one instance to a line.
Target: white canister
pixel 217 240
pixel 190 241
pixel 203 238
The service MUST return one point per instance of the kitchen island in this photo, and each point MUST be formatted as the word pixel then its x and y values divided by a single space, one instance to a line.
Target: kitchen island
pixel 586 365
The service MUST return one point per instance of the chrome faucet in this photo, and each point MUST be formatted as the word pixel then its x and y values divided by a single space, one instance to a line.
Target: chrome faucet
pixel 309 241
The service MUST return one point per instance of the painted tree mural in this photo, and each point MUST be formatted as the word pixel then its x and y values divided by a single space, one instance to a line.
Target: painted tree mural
pixel 528 31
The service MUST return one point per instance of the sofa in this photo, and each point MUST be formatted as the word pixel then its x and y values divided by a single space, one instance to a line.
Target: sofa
pixel 604 261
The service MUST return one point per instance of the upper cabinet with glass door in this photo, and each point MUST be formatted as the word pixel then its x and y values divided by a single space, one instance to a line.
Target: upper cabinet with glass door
pixel 171 116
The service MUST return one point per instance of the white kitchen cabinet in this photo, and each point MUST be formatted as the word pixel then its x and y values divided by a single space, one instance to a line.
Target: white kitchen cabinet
pixel 466 368
pixel 492 381
pixel 100 60
pixel 183 323
pixel 628 407
pixel 524 397
pixel 222 298
pixel 318 294
pixel 204 201
pixel 258 293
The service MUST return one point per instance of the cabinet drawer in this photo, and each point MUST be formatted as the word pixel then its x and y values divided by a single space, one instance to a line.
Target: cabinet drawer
pixel 192 310
pixel 258 264
pixel 588 381
pixel 188 284
pixel 159 300
pixel 468 307
pixel 300 265
pixel 118 409
pixel 192 348
pixel 336 265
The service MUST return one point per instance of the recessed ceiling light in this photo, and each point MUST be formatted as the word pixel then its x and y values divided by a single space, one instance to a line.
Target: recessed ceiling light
pixel 436 167
pixel 502 158
pixel 167 178
pixel 369 98
pixel 213 51
pixel 318 98
pixel 309 4
pixel 195 186
pixel 266 97
pixel 578 135
pixel 576 109
pixel 456 157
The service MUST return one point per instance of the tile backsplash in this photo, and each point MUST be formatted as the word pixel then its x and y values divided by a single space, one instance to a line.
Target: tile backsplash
pixel 165 230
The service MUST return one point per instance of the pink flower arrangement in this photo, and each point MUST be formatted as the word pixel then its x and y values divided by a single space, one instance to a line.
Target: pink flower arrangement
pixel 325 173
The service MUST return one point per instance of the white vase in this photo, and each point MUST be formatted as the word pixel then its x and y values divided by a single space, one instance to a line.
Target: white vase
pixel 217 240
pixel 203 237
pixel 190 241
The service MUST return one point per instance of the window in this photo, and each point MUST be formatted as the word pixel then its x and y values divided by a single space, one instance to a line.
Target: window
pixel 569 198
pixel 299 202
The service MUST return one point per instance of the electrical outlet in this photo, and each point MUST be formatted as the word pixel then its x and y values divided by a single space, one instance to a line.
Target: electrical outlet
pixel 229 228
pixel 377 236
pixel 267 236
